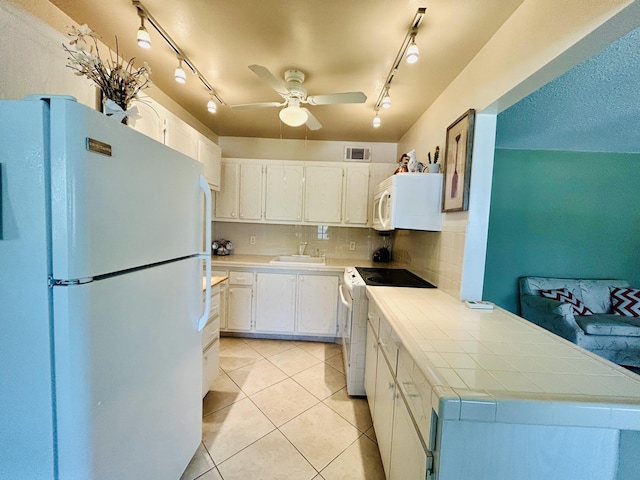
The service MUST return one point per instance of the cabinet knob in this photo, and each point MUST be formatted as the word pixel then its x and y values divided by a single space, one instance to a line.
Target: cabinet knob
pixel 391 385
pixel 233 214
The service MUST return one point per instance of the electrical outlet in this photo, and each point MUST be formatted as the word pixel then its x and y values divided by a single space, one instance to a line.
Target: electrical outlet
pixel 252 240
pixel 352 246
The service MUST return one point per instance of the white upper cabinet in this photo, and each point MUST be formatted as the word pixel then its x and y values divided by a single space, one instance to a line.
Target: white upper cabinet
pixel 356 196
pixel 284 187
pixel 323 194
pixel 227 197
pixel 250 194
pixel 180 136
pixel 240 195
pixel 151 121
pixel 209 154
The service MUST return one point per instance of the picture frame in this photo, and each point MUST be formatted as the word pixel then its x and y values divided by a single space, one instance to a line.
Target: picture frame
pixel 457 163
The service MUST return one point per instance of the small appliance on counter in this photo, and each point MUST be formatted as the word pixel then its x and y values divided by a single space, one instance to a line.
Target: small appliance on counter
pixel 383 254
pixel 221 247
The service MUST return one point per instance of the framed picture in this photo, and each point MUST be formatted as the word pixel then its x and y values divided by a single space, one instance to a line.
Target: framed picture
pixel 457 163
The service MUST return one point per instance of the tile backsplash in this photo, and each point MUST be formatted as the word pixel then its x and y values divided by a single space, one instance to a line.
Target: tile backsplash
pixel 285 239
pixel 435 256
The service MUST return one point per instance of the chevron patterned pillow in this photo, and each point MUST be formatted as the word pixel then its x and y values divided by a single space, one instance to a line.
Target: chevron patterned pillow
pixel 565 296
pixel 625 301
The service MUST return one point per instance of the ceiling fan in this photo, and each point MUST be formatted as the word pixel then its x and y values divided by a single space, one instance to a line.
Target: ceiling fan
pixel 294 94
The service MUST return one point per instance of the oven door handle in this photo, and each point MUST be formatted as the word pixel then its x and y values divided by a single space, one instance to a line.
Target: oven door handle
pixel 342 299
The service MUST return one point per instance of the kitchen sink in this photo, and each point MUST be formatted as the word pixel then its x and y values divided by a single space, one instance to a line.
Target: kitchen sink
pixel 298 259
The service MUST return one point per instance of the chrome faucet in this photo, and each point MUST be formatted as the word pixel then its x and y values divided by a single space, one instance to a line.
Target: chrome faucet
pixel 301 248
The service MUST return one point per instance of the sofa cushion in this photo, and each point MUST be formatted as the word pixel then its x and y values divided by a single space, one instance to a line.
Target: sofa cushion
pixel 625 301
pixel 596 295
pixel 608 324
pixel 565 296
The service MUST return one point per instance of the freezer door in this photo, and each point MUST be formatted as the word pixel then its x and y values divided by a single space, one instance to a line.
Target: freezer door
pixel 138 205
pixel 128 364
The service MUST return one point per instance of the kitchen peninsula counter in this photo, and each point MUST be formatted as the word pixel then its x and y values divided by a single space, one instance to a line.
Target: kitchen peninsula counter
pixel 493 366
pixel 496 397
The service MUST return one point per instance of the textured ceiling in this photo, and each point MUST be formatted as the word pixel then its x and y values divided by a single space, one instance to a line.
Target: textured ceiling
pixel 341 46
pixel 594 107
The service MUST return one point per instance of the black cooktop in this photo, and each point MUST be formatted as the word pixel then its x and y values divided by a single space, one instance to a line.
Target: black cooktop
pixel 392 277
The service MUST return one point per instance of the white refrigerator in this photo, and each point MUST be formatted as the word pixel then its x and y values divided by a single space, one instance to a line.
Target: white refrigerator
pixel 101 251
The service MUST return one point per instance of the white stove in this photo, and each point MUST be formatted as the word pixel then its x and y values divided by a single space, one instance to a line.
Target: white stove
pixel 353 329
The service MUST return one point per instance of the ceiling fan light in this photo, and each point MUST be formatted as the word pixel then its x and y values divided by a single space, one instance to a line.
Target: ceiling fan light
pixel 211 106
pixel 376 121
pixel 293 115
pixel 386 101
pixel 413 52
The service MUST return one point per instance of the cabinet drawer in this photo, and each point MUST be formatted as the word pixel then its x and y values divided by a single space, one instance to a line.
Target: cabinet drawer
pixel 387 339
pixel 241 278
pixel 210 332
pixel 215 305
pixel 417 392
pixel 374 319
pixel 210 366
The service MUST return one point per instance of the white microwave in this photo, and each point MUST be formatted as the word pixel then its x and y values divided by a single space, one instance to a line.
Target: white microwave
pixel 411 201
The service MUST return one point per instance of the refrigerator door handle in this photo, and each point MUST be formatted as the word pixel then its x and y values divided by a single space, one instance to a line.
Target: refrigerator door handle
pixel 206 254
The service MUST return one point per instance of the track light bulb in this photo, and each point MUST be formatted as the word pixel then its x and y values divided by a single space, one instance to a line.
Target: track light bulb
pixel 179 74
pixel 144 40
pixel 413 52
pixel 211 106
pixel 386 101
pixel 376 121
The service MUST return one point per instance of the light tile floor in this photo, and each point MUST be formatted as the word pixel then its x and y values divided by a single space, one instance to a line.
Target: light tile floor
pixel 279 410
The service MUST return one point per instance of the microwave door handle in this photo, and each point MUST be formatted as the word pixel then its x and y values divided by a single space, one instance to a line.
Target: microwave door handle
pixel 383 223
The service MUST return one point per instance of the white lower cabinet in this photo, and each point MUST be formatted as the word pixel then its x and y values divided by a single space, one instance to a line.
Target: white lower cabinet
pixel 292 303
pixel 383 413
pixel 211 342
pixel 402 449
pixel 317 305
pixel 275 302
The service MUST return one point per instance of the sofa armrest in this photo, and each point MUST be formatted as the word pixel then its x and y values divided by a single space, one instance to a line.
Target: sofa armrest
pixel 555 316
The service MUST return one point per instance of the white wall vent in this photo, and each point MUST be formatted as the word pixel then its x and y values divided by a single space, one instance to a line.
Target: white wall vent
pixel 357 154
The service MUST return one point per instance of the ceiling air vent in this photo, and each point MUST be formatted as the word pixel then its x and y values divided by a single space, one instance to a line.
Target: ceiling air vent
pixel 357 154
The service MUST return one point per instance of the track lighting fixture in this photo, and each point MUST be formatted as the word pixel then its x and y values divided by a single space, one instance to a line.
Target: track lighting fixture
pixel 179 74
pixel 413 52
pixel 293 115
pixel 376 121
pixel 386 101
pixel 211 105
pixel 144 40
pixel 408 50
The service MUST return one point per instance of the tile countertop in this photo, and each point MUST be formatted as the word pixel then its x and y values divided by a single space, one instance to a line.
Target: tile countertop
pixel 493 366
pixel 260 261
pixel 214 281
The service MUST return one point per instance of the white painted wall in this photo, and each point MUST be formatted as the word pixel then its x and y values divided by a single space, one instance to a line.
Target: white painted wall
pixel 541 40
pixel 307 150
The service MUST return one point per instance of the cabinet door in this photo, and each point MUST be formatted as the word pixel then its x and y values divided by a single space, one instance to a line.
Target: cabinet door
pixel 180 136
pixel 317 305
pixel 383 414
pixel 356 195
pixel 250 199
pixel 284 192
pixel 227 197
pixel 224 292
pixel 408 456
pixel 239 308
pixel 210 366
pixel 323 194
pixel 370 365
pixel 209 156
pixel 275 302
pixel 151 122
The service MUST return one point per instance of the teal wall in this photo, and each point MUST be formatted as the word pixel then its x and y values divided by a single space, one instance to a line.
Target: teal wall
pixel 561 214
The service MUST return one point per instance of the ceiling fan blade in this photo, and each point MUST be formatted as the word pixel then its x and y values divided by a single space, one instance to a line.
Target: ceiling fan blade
pixel 333 98
pixel 248 106
pixel 312 122
pixel 273 81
